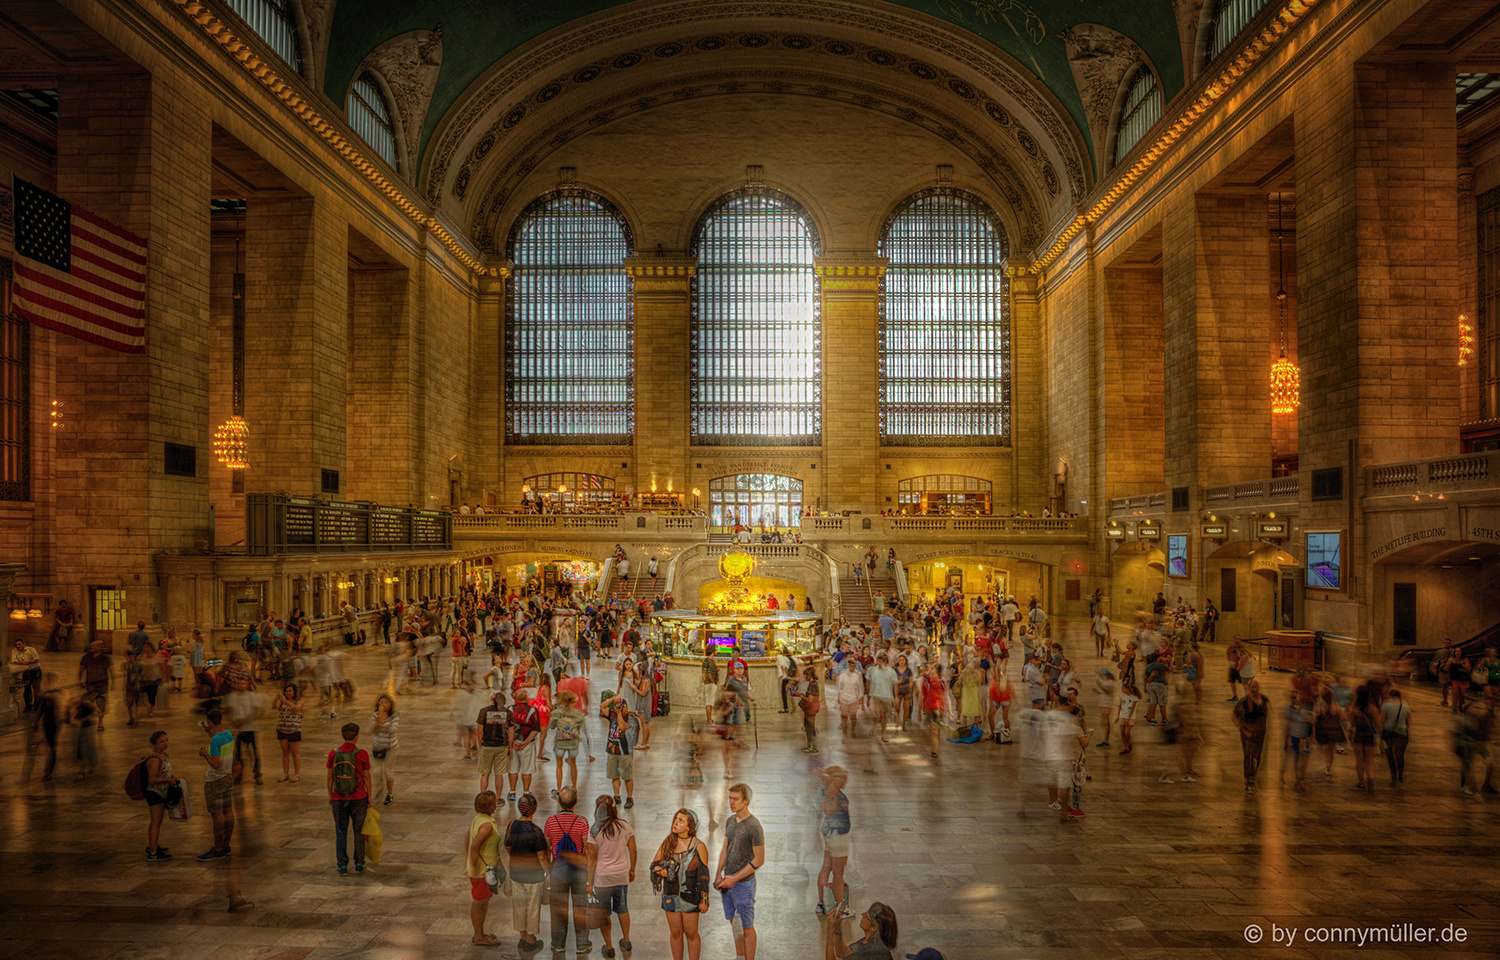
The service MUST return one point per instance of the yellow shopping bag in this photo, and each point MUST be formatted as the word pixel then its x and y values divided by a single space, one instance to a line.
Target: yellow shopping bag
pixel 374 840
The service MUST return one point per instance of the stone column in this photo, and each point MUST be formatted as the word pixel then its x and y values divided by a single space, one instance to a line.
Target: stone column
pixel 487 474
pixel 851 379
pixel 1030 481
pixel 663 304
pixel 8 574
pixel 296 344
pixel 136 150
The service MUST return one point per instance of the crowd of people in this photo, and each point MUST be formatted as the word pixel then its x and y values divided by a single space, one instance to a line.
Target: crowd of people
pixel 533 678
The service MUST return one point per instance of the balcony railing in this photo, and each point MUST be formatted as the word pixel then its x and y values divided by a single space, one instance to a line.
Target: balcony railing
pixel 622 523
pixel 1475 470
pixel 276 524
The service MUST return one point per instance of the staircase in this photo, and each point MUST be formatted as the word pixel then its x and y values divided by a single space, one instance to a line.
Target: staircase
pixel 623 588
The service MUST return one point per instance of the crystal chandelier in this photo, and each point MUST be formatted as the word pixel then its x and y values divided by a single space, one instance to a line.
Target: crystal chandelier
pixel 231 443
pixel 1286 379
pixel 1465 340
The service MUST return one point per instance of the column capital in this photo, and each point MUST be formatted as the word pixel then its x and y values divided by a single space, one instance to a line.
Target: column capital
pixel 667 277
pixel 850 277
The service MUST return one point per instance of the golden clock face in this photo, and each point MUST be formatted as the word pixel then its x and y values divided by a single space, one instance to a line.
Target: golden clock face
pixel 736 566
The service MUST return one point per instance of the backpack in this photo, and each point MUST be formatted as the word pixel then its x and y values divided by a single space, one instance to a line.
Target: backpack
pixel 345 772
pixel 135 781
pixel 565 844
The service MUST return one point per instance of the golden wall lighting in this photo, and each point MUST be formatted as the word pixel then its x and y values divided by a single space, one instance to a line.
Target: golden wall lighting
pixel 1465 340
pixel 231 443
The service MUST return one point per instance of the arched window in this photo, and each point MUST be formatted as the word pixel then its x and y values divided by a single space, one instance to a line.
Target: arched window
pixel 370 117
pixel 754 499
pixel 272 21
pixel 576 488
pixel 1230 19
pixel 944 323
pixel 569 337
pixel 1139 114
pixel 945 493
pixel 756 329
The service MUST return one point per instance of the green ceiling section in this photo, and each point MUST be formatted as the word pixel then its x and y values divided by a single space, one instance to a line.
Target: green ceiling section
pixel 477 33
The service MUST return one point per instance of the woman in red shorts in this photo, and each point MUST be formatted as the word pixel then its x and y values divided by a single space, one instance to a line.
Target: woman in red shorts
pixel 932 703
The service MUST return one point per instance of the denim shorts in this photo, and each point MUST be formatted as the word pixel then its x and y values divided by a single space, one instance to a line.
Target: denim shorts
pixel 615 899
pixel 741 899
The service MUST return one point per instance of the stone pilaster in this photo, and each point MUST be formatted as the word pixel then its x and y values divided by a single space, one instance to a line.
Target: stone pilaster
pixel 1030 479
pixel 487 477
pixel 851 378
pixel 662 288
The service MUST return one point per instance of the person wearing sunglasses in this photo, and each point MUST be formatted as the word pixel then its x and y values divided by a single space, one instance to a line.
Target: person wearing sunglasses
pixel 878 926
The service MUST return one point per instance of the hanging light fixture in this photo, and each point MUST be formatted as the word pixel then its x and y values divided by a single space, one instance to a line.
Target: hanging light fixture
pixel 1286 379
pixel 1465 340
pixel 231 440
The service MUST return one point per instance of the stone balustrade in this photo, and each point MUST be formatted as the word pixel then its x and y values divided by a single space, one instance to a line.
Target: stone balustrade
pixel 473 529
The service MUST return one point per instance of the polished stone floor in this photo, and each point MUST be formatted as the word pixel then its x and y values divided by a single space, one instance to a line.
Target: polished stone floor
pixel 965 853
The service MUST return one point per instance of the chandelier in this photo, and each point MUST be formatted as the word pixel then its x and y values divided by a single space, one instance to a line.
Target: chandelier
pixel 232 439
pixel 1465 340
pixel 1286 379
pixel 231 443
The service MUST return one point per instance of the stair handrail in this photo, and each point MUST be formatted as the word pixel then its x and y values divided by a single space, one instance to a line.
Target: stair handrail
pixel 899 572
pixel 606 574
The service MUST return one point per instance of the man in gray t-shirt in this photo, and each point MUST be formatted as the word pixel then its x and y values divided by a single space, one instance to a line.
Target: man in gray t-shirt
pixel 744 852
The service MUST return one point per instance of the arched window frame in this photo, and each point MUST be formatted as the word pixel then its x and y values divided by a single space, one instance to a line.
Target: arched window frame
pixel 709 404
pixel 953 490
pixel 275 22
pixel 586 488
pixel 747 498
pixel 1140 109
pixel 989 419
pixel 548 394
pixel 369 112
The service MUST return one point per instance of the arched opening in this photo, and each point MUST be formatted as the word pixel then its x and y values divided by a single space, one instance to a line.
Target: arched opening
pixel 765 500
pixel 1137 570
pixel 1245 581
pixel 944 494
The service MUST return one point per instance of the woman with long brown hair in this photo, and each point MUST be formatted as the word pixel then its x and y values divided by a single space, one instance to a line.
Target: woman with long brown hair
pixel 680 871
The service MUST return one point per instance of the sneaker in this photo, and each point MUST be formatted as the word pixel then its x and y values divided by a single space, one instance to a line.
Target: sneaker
pixel 617 799
pixel 511 798
pixel 1076 814
pixel 1165 779
pixel 389 800
pixel 821 909
pixel 1230 699
pixel 1104 743
pixel 1054 805
pixel 158 856
pixel 1189 779
pixel 359 868
pixel 1126 750
pixel 845 913
pixel 212 854
pixel 1249 788
pixel 343 871
pixel 609 953
pixel 554 795
pixel 625 946
pixel 629 802
pixel 1152 722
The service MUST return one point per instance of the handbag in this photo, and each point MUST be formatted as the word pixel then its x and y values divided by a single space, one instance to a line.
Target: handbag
pixel 1479 676
pixel 381 752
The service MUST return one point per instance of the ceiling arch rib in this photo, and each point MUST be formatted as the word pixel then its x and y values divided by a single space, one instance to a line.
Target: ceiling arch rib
pixel 926 60
pixel 496 180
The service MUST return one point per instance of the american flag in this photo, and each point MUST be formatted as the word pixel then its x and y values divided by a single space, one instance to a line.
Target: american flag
pixel 81 275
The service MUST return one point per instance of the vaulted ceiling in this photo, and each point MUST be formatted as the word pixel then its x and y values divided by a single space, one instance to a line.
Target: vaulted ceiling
pixel 488 90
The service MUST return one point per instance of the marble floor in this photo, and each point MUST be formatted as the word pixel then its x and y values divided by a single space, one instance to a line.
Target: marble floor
pixel 964 851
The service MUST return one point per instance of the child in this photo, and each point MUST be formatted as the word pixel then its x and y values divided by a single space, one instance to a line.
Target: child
pixel 1130 695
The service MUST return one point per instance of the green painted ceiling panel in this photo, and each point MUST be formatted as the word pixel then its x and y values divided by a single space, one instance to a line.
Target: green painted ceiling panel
pixel 477 33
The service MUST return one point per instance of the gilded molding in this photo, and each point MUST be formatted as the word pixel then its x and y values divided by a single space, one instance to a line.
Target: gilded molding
pixel 1252 53
pixel 219 32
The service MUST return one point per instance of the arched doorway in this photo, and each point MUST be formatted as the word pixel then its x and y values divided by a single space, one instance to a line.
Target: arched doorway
pixel 1244 580
pixel 755 499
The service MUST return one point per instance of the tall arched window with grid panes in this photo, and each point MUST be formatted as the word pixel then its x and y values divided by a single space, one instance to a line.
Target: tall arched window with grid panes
pixel 569 337
pixel 273 22
pixel 370 116
pixel 944 324
pixel 1230 18
pixel 1139 112
pixel 756 347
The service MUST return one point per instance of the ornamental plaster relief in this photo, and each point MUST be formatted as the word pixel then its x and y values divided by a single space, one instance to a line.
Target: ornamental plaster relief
pixel 1101 59
pixel 409 64
pixel 996 74
pixel 317 18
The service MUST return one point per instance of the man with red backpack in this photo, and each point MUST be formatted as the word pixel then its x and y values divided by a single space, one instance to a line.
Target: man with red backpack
pixel 349 795
pixel 567 834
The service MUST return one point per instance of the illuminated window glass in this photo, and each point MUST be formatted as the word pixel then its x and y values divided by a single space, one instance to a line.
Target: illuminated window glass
pixel 572 487
pixel 942 493
pixel 570 346
pixel 754 499
pixel 944 324
pixel 272 22
pixel 1139 114
pixel 371 119
pixel 1231 17
pixel 756 340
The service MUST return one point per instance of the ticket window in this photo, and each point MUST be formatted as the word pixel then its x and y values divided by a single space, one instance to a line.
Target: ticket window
pixel 107 606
